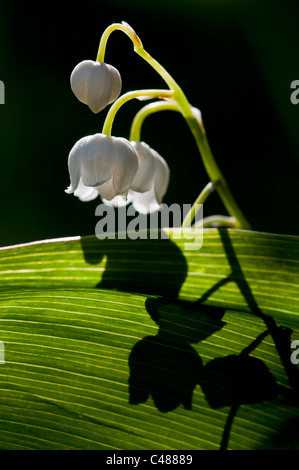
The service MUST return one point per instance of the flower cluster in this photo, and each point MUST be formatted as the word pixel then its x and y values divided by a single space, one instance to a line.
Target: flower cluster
pixel 116 169
pixel 119 171
pixel 123 171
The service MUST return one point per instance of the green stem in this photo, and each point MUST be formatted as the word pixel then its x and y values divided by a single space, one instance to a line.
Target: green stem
pixel 179 96
pixel 135 133
pixel 215 174
pixel 107 127
pixel 195 126
pixel 125 28
pixel 208 189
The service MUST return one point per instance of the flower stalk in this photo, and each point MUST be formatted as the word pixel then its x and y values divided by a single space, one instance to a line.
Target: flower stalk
pixel 183 105
pixel 147 110
pixel 107 127
pixel 98 84
pixel 208 189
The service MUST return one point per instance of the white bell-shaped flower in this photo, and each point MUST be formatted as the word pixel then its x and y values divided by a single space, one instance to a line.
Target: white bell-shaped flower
pixel 96 84
pixel 150 183
pixel 152 192
pixel 101 165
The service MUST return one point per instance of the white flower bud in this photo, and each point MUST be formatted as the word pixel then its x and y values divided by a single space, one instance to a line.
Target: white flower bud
pixel 101 165
pixel 96 84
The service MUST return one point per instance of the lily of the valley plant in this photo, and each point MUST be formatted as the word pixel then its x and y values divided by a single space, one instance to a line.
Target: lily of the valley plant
pixel 123 171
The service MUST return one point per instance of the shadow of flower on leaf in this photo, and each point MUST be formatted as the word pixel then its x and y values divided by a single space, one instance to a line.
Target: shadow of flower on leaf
pixel 166 366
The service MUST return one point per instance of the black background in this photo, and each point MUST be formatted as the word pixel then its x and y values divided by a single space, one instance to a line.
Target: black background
pixel 234 60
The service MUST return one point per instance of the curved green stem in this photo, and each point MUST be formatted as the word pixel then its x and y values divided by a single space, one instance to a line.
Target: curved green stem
pixel 135 133
pixel 195 126
pixel 107 127
pixel 125 28
pixel 208 189
pixel 138 48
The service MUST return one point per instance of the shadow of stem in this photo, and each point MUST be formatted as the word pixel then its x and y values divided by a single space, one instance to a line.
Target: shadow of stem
pixel 166 365
pixel 281 336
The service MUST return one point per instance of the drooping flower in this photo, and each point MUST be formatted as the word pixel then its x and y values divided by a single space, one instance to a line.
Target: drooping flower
pixel 101 165
pixel 150 182
pixel 154 189
pixel 96 84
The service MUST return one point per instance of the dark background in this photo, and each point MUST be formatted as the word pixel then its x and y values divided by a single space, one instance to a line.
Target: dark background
pixel 235 60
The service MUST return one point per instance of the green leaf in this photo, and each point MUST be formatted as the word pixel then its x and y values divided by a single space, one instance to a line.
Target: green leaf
pixel 144 344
